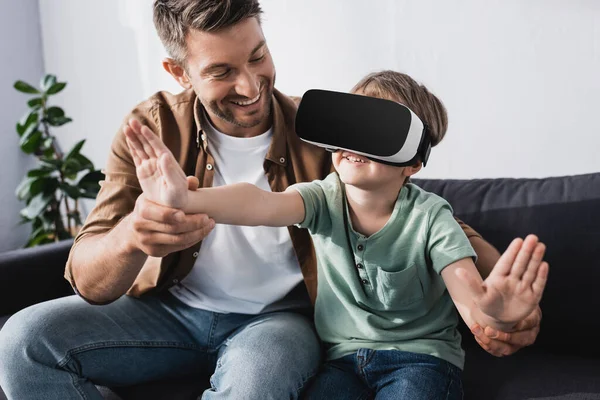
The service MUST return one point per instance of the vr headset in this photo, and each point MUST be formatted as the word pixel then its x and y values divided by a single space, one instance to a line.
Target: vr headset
pixel 381 130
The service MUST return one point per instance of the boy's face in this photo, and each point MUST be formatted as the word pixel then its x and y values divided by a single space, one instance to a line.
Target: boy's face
pixel 365 174
pixel 361 172
pixel 232 73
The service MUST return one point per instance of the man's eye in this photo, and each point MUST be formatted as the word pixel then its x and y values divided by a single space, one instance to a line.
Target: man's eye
pixel 222 74
pixel 254 60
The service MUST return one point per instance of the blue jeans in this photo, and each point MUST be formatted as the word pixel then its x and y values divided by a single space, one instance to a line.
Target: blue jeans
pixel 62 348
pixel 386 374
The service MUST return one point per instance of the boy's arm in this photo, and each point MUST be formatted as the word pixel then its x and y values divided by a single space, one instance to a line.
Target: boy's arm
pixel 511 292
pixel 487 255
pixel 246 204
pixel 164 182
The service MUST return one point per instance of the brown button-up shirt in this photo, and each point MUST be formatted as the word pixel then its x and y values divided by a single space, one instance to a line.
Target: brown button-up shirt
pixel 176 119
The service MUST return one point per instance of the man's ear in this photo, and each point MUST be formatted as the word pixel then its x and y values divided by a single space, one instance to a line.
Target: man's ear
pixel 177 72
pixel 412 169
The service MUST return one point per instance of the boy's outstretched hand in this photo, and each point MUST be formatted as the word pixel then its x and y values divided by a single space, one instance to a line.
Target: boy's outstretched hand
pixel 514 287
pixel 160 176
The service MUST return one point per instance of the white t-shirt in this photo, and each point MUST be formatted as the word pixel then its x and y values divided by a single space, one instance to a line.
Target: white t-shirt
pixel 240 269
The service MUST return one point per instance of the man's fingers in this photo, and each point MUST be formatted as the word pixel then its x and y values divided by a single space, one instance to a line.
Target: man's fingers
pixel 531 321
pixel 497 335
pixel 523 257
pixel 540 281
pixel 534 264
pixel 193 183
pixel 507 258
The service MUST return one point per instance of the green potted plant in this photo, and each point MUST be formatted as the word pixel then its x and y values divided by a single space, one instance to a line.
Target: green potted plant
pixel 52 189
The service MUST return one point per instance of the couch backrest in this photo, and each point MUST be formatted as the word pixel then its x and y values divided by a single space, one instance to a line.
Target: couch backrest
pixel 565 213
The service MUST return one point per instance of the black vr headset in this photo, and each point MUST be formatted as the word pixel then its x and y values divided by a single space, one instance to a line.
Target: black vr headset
pixel 382 130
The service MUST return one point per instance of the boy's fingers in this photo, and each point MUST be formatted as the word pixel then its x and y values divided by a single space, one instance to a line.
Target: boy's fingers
pixel 136 159
pixel 539 284
pixel 135 144
pixel 135 125
pixel 171 171
pixel 523 257
pixel 507 259
pixel 533 266
pixel 154 141
pixel 148 148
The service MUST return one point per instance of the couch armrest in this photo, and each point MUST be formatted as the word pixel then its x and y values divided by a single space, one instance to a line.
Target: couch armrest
pixel 29 276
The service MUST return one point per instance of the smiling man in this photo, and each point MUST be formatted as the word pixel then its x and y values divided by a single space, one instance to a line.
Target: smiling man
pixel 229 302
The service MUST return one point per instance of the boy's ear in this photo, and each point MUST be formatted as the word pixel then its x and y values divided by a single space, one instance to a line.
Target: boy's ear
pixel 412 169
pixel 177 72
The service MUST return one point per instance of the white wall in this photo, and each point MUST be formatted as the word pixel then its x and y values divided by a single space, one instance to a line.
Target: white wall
pixel 519 78
pixel 21 50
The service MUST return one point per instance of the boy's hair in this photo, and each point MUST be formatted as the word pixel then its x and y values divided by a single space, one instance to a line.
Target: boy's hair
pixel 395 86
pixel 174 19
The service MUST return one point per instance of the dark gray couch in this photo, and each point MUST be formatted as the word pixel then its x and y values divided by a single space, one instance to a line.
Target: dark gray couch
pixel 564 363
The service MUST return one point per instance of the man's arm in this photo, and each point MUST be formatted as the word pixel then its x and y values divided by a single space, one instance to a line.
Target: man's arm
pixel 108 255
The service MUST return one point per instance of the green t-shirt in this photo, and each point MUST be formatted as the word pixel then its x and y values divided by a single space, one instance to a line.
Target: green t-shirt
pixel 387 292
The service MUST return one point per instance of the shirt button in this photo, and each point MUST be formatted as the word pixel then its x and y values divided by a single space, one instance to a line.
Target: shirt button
pixel 360 247
pixel 282 160
pixel 359 266
pixel 209 167
pixel 195 254
pixel 176 281
pixel 365 282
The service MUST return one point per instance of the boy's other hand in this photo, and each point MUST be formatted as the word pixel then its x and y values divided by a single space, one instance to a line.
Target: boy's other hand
pixel 514 287
pixel 501 344
pixel 160 176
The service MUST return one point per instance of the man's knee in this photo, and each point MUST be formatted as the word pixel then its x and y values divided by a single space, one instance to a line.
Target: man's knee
pixel 272 358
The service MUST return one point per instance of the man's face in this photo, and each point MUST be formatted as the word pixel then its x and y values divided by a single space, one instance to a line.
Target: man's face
pixel 232 73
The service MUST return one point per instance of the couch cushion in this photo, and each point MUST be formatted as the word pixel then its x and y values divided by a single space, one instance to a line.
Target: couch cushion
pixel 565 213
pixel 530 374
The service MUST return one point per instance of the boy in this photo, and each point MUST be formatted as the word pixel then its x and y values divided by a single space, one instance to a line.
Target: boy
pixel 393 262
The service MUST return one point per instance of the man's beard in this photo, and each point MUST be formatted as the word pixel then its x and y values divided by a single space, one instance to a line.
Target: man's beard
pixel 228 116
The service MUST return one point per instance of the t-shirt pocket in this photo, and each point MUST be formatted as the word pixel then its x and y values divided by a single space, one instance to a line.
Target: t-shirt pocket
pixel 399 289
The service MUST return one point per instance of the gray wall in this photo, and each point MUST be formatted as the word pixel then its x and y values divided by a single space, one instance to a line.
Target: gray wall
pixel 21 51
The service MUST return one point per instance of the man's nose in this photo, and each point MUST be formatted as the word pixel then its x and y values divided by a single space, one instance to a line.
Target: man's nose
pixel 247 85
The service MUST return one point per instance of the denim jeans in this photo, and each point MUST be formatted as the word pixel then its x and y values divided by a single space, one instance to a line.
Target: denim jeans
pixel 386 374
pixel 62 348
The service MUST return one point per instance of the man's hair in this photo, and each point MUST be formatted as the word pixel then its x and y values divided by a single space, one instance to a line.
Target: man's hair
pixel 174 19
pixel 395 86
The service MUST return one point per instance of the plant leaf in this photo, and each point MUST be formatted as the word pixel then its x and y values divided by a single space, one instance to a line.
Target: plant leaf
pixel 26 121
pixel 25 87
pixel 75 150
pixel 59 121
pixel 40 236
pixel 30 143
pixel 47 82
pixel 36 206
pixel 30 187
pixel 36 102
pixel 55 112
pixel 69 190
pixel 57 87
pixel 43 171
